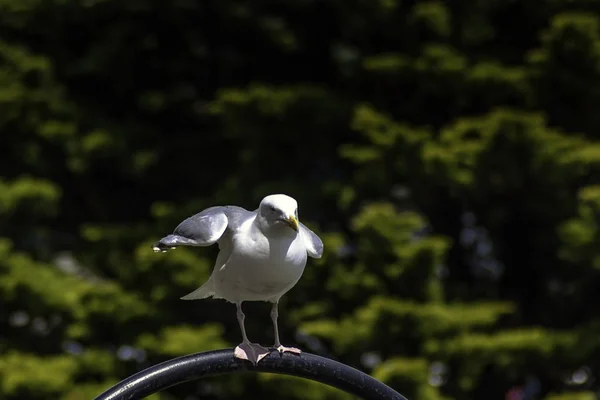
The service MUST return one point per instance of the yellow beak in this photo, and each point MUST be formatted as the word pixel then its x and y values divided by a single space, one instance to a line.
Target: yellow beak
pixel 292 222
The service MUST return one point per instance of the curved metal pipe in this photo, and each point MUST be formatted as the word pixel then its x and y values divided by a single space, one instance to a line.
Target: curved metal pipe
pixel 200 365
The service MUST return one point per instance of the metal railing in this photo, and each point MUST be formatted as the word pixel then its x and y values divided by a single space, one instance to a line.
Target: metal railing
pixel 218 362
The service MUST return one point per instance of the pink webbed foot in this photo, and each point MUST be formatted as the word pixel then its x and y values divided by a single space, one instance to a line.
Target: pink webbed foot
pixel 252 352
pixel 282 349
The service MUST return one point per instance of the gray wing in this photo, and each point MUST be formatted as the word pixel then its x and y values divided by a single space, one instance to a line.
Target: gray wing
pixel 314 245
pixel 204 228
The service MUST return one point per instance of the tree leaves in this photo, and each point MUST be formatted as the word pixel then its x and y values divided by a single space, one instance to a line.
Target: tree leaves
pixel 446 152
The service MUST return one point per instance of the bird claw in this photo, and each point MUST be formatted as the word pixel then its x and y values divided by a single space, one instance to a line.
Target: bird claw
pixel 252 352
pixel 282 349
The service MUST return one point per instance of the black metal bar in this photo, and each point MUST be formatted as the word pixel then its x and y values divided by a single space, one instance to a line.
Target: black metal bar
pixel 200 365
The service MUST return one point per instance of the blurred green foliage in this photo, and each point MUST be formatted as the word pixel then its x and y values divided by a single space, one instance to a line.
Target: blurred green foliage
pixel 446 152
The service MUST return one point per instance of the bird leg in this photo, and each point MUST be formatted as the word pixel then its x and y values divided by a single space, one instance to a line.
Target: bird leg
pixel 277 345
pixel 252 352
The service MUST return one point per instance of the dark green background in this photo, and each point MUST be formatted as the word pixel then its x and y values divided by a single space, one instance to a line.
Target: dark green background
pixel 447 152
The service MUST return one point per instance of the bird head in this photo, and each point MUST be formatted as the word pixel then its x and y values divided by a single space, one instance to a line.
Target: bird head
pixel 279 209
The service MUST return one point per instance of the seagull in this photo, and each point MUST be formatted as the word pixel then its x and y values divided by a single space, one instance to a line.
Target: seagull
pixel 262 255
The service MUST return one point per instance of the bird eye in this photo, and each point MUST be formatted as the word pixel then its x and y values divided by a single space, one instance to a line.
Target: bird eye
pixel 272 208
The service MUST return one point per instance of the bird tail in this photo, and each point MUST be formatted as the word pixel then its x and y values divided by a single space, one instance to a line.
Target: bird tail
pixel 202 292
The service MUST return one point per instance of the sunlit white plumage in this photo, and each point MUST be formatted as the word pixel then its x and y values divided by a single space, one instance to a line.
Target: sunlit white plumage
pixel 262 256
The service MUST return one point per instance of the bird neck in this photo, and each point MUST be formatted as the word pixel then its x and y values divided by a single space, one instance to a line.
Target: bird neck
pixel 275 231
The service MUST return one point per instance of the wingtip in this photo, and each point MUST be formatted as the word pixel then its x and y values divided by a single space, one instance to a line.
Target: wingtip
pixel 161 247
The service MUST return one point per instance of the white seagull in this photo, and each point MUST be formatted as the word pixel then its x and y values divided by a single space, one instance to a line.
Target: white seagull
pixel 262 255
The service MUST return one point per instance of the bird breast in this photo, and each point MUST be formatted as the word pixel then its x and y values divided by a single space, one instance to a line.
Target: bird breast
pixel 261 269
pixel 272 253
